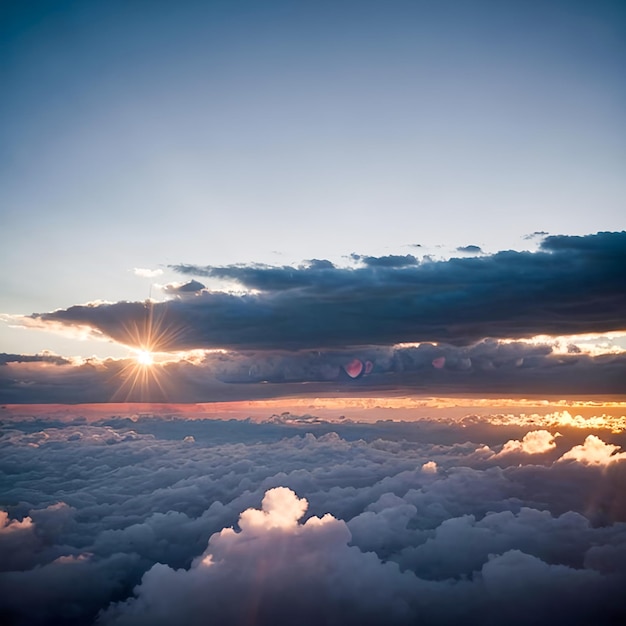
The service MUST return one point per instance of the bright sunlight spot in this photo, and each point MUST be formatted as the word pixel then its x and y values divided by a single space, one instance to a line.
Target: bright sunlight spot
pixel 144 357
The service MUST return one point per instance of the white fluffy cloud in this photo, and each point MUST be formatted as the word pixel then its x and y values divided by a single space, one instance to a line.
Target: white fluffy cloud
pixel 594 451
pixel 147 273
pixel 533 442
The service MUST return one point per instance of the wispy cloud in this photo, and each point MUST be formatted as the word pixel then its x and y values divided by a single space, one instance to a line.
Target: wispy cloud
pixel 147 273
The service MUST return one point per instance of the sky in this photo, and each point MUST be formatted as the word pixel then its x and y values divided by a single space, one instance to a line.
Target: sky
pixel 312 312
pixel 301 196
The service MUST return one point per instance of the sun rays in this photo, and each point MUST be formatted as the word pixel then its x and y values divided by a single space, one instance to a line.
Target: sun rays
pixel 144 376
pixel 154 331
pixel 141 379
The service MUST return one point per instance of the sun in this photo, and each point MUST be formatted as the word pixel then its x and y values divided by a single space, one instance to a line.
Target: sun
pixel 145 358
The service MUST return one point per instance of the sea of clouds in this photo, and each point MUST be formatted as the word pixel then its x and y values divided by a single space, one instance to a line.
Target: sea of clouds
pixel 156 521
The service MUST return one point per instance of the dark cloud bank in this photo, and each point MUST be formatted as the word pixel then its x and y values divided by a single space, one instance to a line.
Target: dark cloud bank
pixel 169 521
pixel 571 285
pixel 486 367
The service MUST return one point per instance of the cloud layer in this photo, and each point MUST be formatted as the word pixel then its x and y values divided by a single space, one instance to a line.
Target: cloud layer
pixel 571 285
pixel 156 521
pixel 486 367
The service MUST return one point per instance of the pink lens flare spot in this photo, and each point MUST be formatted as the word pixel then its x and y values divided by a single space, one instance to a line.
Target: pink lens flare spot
pixel 354 368
pixel 369 366
pixel 439 362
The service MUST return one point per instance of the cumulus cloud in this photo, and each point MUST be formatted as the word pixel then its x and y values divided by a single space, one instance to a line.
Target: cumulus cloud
pixel 8 526
pixel 534 442
pixel 274 571
pixel 594 451
pixel 577 281
pixel 277 571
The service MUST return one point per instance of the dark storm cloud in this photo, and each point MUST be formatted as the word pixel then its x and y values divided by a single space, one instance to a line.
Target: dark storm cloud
pixel 571 285
pixel 160 521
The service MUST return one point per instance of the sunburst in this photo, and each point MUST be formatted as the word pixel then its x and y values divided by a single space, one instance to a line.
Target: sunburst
pixel 143 378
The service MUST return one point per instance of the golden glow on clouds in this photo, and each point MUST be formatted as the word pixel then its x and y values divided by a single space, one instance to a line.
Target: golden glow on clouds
pixel 616 423
pixel 407 402
pixel 593 344
pixel 533 414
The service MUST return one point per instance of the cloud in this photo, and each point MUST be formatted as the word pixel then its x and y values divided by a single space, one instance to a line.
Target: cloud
pixel 8 526
pixel 33 358
pixel 273 571
pixel 535 234
pixel 302 521
pixel 280 571
pixel 486 367
pixel 471 249
pixel 389 261
pixel 191 287
pixel 571 285
pixel 147 273
pixel 534 442
pixel 429 467
pixel 594 451
pixel 281 508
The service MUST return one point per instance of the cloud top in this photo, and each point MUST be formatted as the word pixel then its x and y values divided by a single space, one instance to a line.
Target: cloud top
pixel 534 442
pixel 594 451
pixel 281 508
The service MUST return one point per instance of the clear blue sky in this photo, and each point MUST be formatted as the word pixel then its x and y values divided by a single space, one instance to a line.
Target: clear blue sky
pixel 141 134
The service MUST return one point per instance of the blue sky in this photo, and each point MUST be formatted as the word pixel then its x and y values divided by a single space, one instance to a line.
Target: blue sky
pixel 149 134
